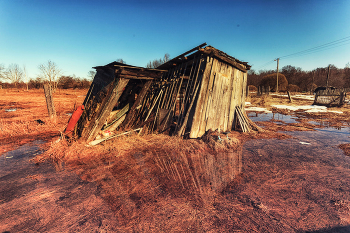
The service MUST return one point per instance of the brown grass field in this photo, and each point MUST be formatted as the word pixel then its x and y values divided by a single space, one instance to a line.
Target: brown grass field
pixel 256 182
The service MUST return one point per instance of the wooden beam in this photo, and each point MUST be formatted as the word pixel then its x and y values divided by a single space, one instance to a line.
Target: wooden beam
pixel 182 56
pixel 211 51
pixel 49 100
pixel 106 108
pixel 139 73
pixel 136 77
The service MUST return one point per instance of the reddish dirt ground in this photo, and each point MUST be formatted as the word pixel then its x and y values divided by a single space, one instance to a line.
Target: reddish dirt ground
pixel 291 178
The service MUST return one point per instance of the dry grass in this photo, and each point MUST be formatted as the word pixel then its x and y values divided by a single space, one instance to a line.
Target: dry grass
pixel 263 100
pixel 21 126
pixel 145 176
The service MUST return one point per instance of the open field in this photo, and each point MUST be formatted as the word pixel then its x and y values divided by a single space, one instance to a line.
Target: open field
pixel 290 178
pixel 20 126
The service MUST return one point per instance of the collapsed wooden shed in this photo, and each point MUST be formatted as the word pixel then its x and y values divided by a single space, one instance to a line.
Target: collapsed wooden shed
pixel 199 90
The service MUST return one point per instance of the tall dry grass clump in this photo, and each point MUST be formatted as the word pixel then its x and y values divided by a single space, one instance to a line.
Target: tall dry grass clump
pixel 263 100
pixel 142 176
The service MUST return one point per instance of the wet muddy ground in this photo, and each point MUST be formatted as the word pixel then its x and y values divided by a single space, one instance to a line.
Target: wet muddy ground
pixel 297 183
pixel 301 183
pixel 37 198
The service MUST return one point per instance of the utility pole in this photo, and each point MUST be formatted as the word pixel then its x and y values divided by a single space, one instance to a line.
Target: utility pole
pixel 329 69
pixel 278 61
pixel 313 81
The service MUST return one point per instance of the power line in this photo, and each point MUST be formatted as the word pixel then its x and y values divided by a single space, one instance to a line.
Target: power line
pixel 266 64
pixel 307 53
pixel 329 45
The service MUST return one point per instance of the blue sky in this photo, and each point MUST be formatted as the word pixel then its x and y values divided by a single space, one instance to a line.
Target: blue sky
pixel 78 35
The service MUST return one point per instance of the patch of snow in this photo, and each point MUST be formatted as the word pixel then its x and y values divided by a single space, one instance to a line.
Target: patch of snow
pixel 314 110
pixel 297 96
pixel 292 108
pixel 306 108
pixel 306 97
pixel 304 143
pixel 334 111
pixel 257 109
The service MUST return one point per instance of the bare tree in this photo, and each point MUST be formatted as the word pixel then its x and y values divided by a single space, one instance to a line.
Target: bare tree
pixel 2 72
pixel 166 57
pixel 91 74
pixel 50 72
pixel 120 61
pixel 157 62
pixel 25 75
pixel 14 73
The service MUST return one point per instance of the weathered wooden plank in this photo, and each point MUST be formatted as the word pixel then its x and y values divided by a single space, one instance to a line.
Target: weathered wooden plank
pixel 231 110
pixel 93 108
pixel 116 117
pixel 219 100
pixel 213 113
pixel 186 99
pixel 224 97
pixel 242 99
pixel 183 126
pixel 209 97
pixel 186 95
pixel 244 88
pixel 112 99
pixel 136 77
pixel 233 96
pixel 227 100
pixel 139 74
pixel 200 108
pixel 172 106
pixel 193 92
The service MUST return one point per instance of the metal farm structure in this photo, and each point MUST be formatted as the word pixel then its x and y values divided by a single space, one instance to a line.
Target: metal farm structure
pixel 202 89
pixel 330 97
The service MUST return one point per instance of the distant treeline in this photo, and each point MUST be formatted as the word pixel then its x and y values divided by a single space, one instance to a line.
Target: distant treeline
pixel 64 82
pixel 302 80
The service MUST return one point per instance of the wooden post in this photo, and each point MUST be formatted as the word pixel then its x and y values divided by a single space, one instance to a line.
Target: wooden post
pixel 49 100
pixel 290 98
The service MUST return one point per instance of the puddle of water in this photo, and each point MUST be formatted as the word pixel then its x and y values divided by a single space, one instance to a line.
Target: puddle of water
pixel 28 150
pixel 11 110
pixel 299 177
pixel 254 116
